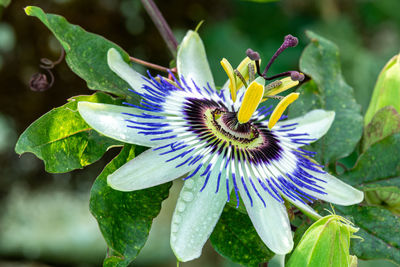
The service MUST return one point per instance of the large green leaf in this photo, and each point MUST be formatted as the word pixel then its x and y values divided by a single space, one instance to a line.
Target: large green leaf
pixel 86 53
pixel 320 60
pixel 124 218
pixel 235 238
pixel 377 172
pixel 385 122
pixel 379 230
pixel 63 140
pixel 381 162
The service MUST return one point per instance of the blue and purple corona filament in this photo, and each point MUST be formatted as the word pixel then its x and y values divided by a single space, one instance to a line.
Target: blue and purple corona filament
pixel 222 143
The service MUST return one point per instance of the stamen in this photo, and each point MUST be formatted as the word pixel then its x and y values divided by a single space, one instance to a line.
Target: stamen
pixel 273 85
pixel 251 100
pixel 290 41
pixel 280 108
pixel 240 76
pixel 252 73
pixel 246 68
pixel 232 77
pixel 242 72
pixel 286 83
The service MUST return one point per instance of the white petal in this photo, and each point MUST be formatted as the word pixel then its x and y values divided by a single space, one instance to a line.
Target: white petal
pixel 337 191
pixel 147 170
pixel 271 222
pixel 196 215
pixel 192 61
pixel 310 212
pixel 315 123
pixel 123 70
pixel 109 120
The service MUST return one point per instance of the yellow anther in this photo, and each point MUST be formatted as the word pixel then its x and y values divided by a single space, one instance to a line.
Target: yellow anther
pixel 287 83
pixel 251 100
pixel 280 108
pixel 232 77
pixel 243 68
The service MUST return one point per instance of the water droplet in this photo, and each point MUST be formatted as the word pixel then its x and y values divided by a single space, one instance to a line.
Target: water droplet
pixel 189 184
pixel 187 196
pixel 181 206
pixel 177 219
pixel 174 228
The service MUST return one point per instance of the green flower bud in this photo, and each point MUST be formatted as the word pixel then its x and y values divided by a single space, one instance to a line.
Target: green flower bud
pixel 353 261
pixel 387 89
pixel 326 243
pixel 386 197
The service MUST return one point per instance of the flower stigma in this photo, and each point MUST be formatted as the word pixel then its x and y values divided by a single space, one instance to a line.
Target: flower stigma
pixel 257 92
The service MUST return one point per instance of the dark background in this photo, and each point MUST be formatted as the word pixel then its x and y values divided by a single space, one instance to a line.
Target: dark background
pixel 44 218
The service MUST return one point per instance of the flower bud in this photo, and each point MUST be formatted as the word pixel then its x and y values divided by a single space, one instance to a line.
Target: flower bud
pixel 326 243
pixel 387 89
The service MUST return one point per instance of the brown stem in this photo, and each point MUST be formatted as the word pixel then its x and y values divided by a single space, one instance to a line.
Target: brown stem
pixel 161 25
pixel 151 65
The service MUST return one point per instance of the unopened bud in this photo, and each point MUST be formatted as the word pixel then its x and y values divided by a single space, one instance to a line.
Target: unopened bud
pixel 387 89
pixel 326 243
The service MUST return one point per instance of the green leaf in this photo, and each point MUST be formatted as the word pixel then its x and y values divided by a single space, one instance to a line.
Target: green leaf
pixel 63 140
pixel 124 218
pixel 86 53
pixel 380 162
pixel 320 60
pixel 235 238
pixel 5 3
pixel 385 122
pixel 389 185
pixel 377 173
pixel 380 230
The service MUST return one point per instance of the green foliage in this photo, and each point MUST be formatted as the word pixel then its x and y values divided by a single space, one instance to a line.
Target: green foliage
pixel 63 140
pixel 329 91
pixel 235 238
pixel 380 162
pixel 124 218
pixel 325 243
pixel 86 53
pixel 377 172
pixel 5 3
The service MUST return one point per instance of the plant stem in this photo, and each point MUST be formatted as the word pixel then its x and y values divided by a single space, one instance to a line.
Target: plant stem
pixel 150 65
pixel 161 25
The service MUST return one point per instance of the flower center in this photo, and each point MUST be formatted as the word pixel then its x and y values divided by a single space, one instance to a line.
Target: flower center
pixel 225 126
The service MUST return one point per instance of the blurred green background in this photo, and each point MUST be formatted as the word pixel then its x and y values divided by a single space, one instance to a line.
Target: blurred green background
pixel 44 218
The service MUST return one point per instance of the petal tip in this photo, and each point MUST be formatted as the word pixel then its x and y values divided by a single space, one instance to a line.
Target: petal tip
pixel 182 253
pixel 113 183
